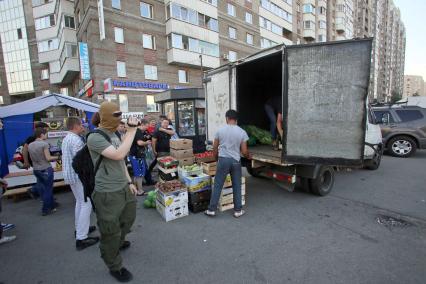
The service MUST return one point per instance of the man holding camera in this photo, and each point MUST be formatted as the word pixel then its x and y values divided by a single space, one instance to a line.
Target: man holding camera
pixel 114 194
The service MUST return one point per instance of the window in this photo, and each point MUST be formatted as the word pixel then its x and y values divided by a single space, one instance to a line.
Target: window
pixel 249 18
pixel 47 45
pixel 121 69
pixel 409 115
pixel 321 38
pixel 322 10
pixel 232 33
pixel 379 114
pixel 322 24
pixel 309 25
pixel 151 106
pixel 150 72
pixel 64 91
pixel 146 10
pixel 232 56
pixel 124 103
pixel 1 100
pixel 45 22
pixel 192 44
pixel 231 10
pixel 69 50
pixel 119 35
pixel 69 22
pixel 249 39
pixel 45 74
pixel 308 8
pixel 148 41
pixel 183 76
pixel 40 2
pixel 19 33
pixel 116 4
pixel 271 7
pixel 45 92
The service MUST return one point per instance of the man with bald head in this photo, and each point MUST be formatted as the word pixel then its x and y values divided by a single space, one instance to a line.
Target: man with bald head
pixel 114 194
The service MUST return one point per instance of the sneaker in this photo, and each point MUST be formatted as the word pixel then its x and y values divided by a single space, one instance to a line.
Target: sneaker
pixel 125 245
pixel 91 230
pixel 122 275
pixel 7 227
pixel 238 214
pixel 82 244
pixel 210 213
pixel 49 212
pixel 7 239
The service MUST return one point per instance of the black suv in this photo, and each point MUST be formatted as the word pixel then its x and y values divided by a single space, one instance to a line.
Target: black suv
pixel 403 129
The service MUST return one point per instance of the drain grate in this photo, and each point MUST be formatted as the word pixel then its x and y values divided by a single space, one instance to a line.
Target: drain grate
pixel 392 222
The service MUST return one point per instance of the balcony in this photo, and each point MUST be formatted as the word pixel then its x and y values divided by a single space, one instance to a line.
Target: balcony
pixel 44 10
pixel 309 35
pixel 70 69
pixel 189 58
pixel 183 28
pixel 340 28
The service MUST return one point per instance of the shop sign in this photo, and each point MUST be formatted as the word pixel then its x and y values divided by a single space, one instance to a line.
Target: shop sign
pixel 84 61
pixel 110 97
pixel 119 85
pixel 87 89
pixel 139 115
pixel 56 134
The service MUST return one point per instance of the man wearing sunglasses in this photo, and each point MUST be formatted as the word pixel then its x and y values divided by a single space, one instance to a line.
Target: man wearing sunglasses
pixel 114 194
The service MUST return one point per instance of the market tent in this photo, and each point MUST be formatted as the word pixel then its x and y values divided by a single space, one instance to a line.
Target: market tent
pixel 18 121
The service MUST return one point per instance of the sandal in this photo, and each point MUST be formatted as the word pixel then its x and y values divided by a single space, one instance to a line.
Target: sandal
pixel 141 193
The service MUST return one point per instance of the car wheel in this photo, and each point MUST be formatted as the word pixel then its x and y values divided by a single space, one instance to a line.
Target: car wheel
pixel 402 146
pixel 374 163
pixel 323 183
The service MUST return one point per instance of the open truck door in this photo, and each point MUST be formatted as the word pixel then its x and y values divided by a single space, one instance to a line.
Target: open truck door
pixel 220 97
pixel 325 87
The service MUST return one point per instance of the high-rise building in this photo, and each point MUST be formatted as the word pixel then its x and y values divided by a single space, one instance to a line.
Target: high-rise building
pixel 340 16
pixel 414 86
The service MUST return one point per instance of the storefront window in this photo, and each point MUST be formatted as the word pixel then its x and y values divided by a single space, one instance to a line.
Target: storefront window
pixel 169 111
pixel 186 118
pixel 201 113
pixel 151 106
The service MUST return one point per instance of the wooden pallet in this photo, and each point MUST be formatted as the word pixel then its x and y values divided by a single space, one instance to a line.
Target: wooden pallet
pixel 15 193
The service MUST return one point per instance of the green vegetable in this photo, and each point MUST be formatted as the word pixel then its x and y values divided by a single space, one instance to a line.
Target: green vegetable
pixel 252 141
pixel 261 135
pixel 147 203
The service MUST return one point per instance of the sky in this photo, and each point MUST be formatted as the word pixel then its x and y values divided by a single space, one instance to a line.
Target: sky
pixel 414 18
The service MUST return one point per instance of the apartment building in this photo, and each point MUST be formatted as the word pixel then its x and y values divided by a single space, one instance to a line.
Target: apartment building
pixel 414 86
pixel 340 17
pixel 56 44
pixel 364 18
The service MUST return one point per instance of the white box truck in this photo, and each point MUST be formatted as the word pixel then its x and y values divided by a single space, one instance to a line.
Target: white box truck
pixel 327 122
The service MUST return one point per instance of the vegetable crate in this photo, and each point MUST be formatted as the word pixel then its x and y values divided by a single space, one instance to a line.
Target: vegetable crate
pixel 228 181
pixel 167 176
pixel 173 197
pixel 209 168
pixel 199 200
pixel 226 202
pixel 172 212
pixel 185 171
pixel 186 161
pixel 167 162
pixel 205 157
pixel 181 144
pixel 197 182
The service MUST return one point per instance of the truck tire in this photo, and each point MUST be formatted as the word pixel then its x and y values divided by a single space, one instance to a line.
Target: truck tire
pixel 251 171
pixel 402 146
pixel 305 185
pixel 374 163
pixel 323 183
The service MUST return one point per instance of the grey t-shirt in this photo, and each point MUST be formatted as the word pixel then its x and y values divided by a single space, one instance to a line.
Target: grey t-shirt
pixel 36 150
pixel 230 138
pixel 111 175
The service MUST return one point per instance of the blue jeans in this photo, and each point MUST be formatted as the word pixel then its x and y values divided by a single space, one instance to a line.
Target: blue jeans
pixel 45 186
pixel 272 121
pixel 227 166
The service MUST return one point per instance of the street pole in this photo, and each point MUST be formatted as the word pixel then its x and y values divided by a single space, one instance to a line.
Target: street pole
pixel 201 59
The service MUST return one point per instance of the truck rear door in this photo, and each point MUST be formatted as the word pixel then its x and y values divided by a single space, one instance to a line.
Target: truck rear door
pixel 220 97
pixel 325 87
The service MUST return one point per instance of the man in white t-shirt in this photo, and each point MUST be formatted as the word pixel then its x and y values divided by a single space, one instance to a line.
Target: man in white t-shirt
pixel 229 144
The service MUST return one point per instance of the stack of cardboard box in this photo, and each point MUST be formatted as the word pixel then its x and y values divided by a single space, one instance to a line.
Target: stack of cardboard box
pixel 181 150
pixel 172 200
pixel 167 168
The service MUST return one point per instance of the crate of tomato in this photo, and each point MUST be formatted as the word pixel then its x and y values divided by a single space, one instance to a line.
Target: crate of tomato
pixel 205 157
pixel 168 163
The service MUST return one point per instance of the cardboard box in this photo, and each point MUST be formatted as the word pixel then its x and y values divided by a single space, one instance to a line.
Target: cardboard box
pixel 172 198
pixel 205 159
pixel 180 154
pixel 209 168
pixel 184 173
pixel 167 171
pixel 186 161
pixel 181 144
pixel 194 180
pixel 174 212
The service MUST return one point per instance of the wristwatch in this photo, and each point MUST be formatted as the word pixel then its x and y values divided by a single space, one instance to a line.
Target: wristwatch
pixel 129 182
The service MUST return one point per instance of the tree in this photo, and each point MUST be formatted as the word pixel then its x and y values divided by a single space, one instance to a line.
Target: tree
pixel 396 96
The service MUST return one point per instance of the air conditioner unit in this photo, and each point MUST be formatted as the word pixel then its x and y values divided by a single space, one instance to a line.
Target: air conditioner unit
pixel 225 56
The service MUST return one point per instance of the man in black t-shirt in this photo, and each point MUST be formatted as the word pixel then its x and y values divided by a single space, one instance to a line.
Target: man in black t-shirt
pixel 273 108
pixel 161 140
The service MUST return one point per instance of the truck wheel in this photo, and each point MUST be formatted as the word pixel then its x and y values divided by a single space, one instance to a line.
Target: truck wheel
pixel 323 183
pixel 374 163
pixel 251 171
pixel 305 185
pixel 402 146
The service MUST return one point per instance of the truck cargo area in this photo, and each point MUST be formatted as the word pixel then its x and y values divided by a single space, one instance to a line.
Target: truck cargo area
pixel 257 81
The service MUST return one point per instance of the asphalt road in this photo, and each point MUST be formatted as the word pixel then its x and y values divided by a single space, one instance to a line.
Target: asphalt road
pixel 283 238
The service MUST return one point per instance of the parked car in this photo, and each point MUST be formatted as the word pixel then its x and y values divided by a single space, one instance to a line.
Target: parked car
pixel 403 129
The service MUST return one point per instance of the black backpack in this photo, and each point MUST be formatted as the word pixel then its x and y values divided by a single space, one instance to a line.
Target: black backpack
pixel 83 166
